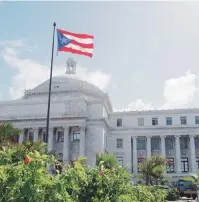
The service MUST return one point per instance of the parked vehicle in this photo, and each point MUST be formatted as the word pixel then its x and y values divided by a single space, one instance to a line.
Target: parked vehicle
pixel 187 188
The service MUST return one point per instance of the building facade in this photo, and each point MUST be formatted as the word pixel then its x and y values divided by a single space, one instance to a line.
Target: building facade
pixel 83 123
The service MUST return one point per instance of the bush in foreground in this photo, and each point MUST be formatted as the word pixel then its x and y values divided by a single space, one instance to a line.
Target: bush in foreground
pixel 172 194
pixel 27 180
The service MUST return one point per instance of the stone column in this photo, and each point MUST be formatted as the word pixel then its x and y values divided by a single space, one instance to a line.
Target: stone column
pixel 36 131
pixel 50 139
pixel 21 136
pixel 135 160
pixel 82 141
pixel 178 156
pixel 193 153
pixel 128 153
pixel 148 147
pixel 163 152
pixel 66 145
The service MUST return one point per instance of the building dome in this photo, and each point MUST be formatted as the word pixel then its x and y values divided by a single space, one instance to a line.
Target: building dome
pixel 67 82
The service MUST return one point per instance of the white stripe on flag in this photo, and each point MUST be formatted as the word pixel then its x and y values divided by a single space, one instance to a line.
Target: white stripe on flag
pixel 75 47
pixel 83 41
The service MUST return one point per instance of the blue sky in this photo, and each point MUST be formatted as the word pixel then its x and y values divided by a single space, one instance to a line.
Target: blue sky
pixel 145 57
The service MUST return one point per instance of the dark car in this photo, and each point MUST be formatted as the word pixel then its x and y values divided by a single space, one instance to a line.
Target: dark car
pixel 187 188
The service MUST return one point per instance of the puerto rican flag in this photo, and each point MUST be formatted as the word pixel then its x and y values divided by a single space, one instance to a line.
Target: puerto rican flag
pixel 75 43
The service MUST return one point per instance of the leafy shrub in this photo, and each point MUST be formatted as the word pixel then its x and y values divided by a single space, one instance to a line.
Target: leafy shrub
pixel 172 194
pixel 27 180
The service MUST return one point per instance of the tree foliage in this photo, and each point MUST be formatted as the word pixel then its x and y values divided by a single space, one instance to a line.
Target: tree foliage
pixel 152 170
pixel 24 177
pixel 7 131
pixel 108 160
pixel 28 180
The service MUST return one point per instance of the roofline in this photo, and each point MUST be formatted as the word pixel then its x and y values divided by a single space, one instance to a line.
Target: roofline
pixel 156 112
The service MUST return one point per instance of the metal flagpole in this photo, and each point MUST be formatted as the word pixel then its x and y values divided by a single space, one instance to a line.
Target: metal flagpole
pixel 49 93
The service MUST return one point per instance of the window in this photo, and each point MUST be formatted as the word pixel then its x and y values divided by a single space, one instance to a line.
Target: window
pixel 155 144
pixel 184 164
pixel 169 143
pixel 60 136
pixel 183 120
pixel 119 122
pixel 140 121
pixel 154 121
pixel 183 143
pixel 141 144
pixel 45 137
pixel 31 136
pixel 120 160
pixel 196 119
pixel 197 162
pixel 170 165
pixel 119 143
pixel 169 120
pixel 196 142
pixel 75 136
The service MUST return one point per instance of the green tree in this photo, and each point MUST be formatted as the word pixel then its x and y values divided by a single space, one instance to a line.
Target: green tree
pixel 7 131
pixel 109 160
pixel 152 170
pixel 28 181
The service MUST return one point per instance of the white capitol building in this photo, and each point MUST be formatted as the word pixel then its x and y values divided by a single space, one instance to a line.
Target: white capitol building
pixel 83 123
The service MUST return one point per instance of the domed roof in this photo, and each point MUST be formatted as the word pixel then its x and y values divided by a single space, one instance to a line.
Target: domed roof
pixel 66 82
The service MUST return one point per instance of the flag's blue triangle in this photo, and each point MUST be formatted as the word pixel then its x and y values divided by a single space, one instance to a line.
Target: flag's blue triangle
pixel 62 40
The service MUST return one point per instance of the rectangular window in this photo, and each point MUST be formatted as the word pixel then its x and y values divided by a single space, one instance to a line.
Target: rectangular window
pixel 119 143
pixel 154 121
pixel 155 143
pixel 45 137
pixel 183 143
pixel 197 162
pixel 141 144
pixel 120 160
pixel 196 142
pixel 184 164
pixel 60 136
pixel 169 143
pixel 76 136
pixel 170 165
pixel 140 121
pixel 169 121
pixel 119 122
pixel 183 120
pixel 31 136
pixel 196 119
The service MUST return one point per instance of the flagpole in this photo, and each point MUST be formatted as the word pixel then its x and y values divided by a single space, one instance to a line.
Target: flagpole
pixel 49 93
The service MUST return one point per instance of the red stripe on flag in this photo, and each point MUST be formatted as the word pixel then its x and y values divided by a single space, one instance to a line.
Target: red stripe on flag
pixel 83 45
pixel 66 49
pixel 82 36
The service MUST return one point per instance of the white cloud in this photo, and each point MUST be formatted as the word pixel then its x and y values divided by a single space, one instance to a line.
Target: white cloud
pixel 140 105
pixel 179 92
pixel 30 73
pixel 137 105
pixel 13 43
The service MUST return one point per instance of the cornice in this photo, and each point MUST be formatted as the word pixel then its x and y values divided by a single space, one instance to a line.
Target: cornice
pixel 155 112
pixel 44 119
pixel 157 128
